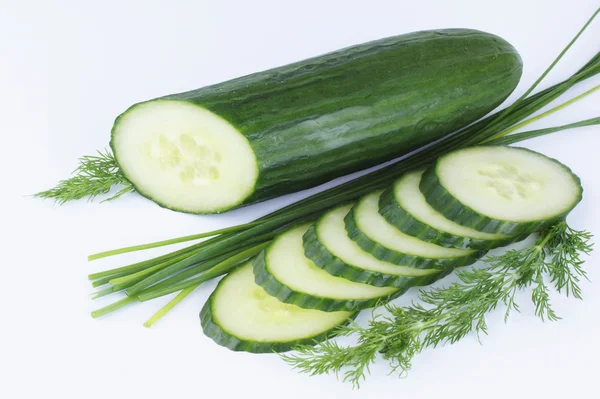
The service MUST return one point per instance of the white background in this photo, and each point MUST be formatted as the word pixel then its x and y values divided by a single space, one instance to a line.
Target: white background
pixel 68 68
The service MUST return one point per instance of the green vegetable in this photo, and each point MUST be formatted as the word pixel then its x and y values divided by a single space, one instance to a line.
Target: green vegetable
pixel 404 206
pixel 285 273
pixel 446 315
pixel 300 125
pixel 486 130
pixel 501 190
pixel 241 316
pixel 327 244
pixel 375 235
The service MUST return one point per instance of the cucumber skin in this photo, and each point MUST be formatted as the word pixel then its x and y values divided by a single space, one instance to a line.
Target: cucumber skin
pixel 445 203
pixel 282 292
pixel 400 218
pixel 334 114
pixel 215 332
pixel 322 258
pixel 399 258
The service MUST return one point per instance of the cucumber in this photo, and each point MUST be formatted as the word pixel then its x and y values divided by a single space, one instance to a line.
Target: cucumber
pixel 370 230
pixel 293 127
pixel 404 206
pixel 286 274
pixel 501 190
pixel 327 244
pixel 241 316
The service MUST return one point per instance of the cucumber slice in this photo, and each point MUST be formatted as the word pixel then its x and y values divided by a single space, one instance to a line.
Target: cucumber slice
pixel 241 316
pixel 184 157
pixel 285 273
pixel 375 235
pixel 404 206
pixel 327 244
pixel 501 190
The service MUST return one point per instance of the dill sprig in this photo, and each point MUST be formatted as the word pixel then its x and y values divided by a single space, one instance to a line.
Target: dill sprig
pixel 446 315
pixel 95 175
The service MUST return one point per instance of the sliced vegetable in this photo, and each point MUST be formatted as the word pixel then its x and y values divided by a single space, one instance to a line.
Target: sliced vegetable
pixel 404 206
pixel 241 316
pixel 485 131
pixel 446 315
pixel 245 140
pixel 285 273
pixel 501 190
pixel 327 244
pixel 375 235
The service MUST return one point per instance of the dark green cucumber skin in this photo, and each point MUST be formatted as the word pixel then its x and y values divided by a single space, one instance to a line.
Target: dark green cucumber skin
pixel 276 289
pixel 328 116
pixel 214 331
pixel 400 258
pixel 442 201
pixel 324 259
pixel 404 221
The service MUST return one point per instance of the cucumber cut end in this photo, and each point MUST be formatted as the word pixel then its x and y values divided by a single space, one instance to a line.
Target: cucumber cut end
pixel 509 183
pixel 286 262
pixel 184 157
pixel 371 223
pixel 411 199
pixel 331 231
pixel 244 317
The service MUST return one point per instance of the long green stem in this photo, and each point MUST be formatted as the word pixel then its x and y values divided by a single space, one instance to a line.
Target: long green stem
pixel 135 267
pixel 265 230
pixel 192 271
pixel 514 138
pixel 172 241
pixel 544 114
pixel 170 305
pixel 138 276
pixel 113 306
pixel 101 293
pixel 216 271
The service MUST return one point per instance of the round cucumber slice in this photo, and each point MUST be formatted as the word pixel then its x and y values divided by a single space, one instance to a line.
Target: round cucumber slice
pixel 327 244
pixel 404 206
pixel 500 189
pixel 373 233
pixel 184 157
pixel 285 273
pixel 241 316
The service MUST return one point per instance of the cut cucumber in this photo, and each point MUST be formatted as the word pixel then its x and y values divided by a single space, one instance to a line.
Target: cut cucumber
pixel 241 316
pixel 374 234
pixel 327 244
pixel 404 206
pixel 501 190
pixel 185 156
pixel 285 273
pixel 296 126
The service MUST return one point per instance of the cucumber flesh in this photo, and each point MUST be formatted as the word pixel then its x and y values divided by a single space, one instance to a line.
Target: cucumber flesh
pixel 242 316
pixel 376 235
pixel 183 156
pixel 404 206
pixel 331 234
pixel 285 272
pixel 500 189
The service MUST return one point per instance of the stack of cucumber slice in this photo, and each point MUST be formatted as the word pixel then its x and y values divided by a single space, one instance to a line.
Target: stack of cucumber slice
pixel 316 277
